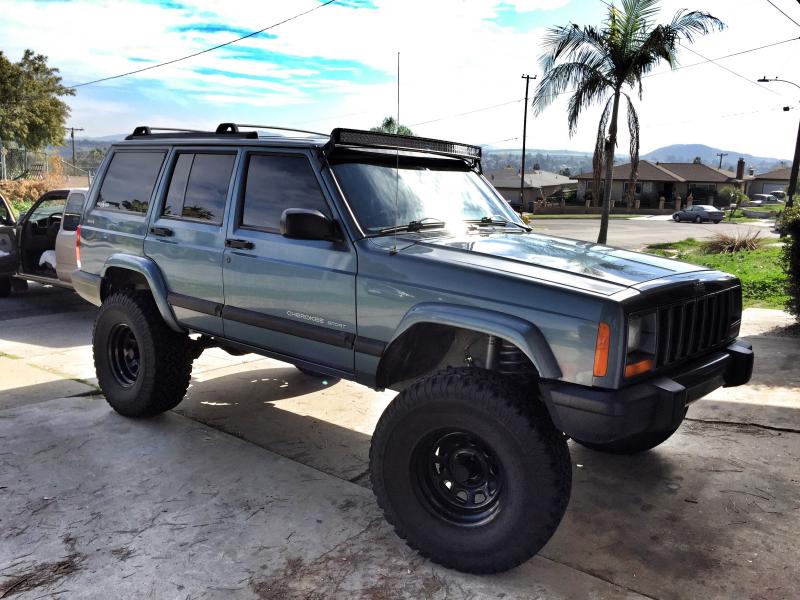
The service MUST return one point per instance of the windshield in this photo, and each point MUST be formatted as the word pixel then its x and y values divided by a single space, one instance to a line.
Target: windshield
pixel 424 193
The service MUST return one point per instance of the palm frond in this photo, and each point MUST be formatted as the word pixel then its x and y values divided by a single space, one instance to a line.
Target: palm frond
pixel 565 41
pixel 633 129
pixel 687 25
pixel 598 158
pixel 576 75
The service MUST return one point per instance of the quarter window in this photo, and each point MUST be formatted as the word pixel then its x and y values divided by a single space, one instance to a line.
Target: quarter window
pixel 199 186
pixel 129 181
pixel 275 183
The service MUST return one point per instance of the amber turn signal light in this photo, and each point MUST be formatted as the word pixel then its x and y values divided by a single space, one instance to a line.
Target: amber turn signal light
pixel 637 368
pixel 601 350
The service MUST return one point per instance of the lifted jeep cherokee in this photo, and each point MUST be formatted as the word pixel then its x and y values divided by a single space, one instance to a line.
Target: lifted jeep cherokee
pixel 391 261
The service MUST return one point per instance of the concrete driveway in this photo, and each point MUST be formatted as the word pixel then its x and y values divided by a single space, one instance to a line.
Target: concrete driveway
pixel 256 486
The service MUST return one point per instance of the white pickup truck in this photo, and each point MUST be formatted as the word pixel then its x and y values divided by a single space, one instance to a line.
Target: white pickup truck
pixel 40 246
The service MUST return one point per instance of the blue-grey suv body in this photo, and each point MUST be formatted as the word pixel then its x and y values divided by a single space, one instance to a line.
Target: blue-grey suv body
pixel 391 261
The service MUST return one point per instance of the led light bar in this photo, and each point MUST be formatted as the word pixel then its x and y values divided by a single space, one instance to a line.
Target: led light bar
pixel 375 139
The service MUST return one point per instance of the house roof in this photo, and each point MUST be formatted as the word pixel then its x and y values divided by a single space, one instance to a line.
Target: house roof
pixel 675 172
pixel 783 174
pixel 700 173
pixel 648 171
pixel 508 178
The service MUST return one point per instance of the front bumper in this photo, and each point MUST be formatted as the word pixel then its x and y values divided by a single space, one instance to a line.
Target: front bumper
pixel 659 404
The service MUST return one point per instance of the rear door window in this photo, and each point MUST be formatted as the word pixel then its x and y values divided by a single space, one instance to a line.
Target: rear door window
pixel 273 184
pixel 129 181
pixel 198 187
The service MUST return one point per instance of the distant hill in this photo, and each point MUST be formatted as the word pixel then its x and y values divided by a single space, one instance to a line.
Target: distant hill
pixel 708 154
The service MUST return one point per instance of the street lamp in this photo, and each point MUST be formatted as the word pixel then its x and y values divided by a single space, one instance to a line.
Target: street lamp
pixel 796 161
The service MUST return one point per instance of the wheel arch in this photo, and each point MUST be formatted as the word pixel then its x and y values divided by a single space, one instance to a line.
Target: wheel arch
pixel 137 272
pixel 431 328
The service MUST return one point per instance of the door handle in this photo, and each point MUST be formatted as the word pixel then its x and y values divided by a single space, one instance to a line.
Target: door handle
pixel 161 231
pixel 241 244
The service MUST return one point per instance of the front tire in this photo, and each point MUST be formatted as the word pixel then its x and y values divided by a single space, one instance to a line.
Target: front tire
pixel 470 471
pixel 143 367
pixel 698 220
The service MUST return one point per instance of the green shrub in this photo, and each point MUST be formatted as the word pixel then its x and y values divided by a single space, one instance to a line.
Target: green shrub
pixel 790 225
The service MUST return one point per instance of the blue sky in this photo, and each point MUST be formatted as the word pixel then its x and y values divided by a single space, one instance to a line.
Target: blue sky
pixel 336 66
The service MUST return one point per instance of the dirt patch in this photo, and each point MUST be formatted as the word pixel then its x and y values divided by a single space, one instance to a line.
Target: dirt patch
pixel 41 575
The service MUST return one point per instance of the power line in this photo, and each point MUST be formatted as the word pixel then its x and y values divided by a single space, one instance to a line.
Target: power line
pixel 217 47
pixel 469 112
pixel 783 13
pixel 731 71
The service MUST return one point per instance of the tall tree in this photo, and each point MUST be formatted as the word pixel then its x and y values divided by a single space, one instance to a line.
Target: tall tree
pixel 390 125
pixel 597 63
pixel 31 111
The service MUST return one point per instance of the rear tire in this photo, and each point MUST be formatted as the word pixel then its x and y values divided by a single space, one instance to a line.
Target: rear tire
pixel 143 367
pixel 5 287
pixel 470 471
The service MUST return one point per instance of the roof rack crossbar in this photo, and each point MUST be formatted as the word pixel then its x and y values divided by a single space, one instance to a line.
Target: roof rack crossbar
pixel 373 139
pixel 226 130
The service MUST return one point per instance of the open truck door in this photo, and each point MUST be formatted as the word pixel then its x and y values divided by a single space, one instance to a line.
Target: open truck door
pixel 9 252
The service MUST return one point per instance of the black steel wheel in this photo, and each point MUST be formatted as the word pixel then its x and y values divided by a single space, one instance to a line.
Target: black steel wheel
pixel 458 476
pixel 123 355
pixel 469 469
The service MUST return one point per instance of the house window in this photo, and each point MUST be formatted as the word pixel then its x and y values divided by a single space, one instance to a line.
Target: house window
pixel 626 185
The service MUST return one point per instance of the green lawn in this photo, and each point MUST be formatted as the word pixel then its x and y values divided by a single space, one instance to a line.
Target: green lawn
pixel 763 278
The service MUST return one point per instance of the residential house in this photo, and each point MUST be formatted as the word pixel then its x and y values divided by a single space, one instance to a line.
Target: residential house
pixel 538 185
pixel 775 180
pixel 670 180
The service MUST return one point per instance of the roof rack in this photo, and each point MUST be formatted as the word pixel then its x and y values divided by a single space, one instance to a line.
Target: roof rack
pixel 226 130
pixel 374 139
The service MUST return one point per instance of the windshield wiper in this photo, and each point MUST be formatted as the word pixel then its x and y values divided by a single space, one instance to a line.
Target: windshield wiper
pixel 414 225
pixel 496 220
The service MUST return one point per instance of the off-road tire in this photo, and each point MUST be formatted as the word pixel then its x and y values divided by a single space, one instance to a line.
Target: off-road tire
pixel 5 287
pixel 641 442
pixel 523 445
pixel 19 285
pixel 164 357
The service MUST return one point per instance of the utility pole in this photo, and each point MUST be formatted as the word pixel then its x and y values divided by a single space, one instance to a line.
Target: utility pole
pixel 796 162
pixel 721 154
pixel 527 79
pixel 72 131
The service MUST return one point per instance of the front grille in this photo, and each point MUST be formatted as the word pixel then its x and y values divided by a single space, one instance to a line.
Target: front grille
pixel 691 327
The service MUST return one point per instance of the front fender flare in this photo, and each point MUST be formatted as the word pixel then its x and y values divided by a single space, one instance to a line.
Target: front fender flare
pixel 523 334
pixel 148 269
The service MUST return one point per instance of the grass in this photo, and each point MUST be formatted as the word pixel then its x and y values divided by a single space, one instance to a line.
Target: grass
pixel 763 278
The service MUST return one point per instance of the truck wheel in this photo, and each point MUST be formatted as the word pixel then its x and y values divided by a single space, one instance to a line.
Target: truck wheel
pixel 5 286
pixel 470 471
pixel 641 442
pixel 143 367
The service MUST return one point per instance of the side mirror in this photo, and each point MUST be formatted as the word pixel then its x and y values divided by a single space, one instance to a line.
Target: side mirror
pixel 308 224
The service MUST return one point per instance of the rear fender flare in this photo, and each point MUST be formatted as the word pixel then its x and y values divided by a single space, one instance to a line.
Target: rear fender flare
pixel 155 280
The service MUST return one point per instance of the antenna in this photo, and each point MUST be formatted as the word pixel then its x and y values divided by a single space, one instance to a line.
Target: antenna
pixel 397 166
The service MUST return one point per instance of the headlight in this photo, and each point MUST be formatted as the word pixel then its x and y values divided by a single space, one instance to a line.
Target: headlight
pixel 641 344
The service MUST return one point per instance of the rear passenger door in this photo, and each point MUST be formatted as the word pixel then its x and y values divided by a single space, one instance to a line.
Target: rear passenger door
pixel 186 237
pixel 293 297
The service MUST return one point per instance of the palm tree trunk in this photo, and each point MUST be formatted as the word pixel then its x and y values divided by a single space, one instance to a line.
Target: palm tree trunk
pixel 611 145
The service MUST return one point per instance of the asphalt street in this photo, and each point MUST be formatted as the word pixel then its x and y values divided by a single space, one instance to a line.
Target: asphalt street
pixel 635 234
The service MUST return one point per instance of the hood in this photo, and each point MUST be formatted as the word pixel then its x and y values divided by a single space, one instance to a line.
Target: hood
pixel 573 263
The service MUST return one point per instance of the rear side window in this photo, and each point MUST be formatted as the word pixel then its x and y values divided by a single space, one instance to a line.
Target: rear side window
pixel 275 183
pixel 129 181
pixel 72 212
pixel 198 187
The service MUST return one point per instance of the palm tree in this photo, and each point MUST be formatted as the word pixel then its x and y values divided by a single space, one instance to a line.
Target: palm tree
pixel 597 63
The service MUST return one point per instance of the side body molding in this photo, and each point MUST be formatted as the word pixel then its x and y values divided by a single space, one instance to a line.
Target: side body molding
pixel 150 271
pixel 523 334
